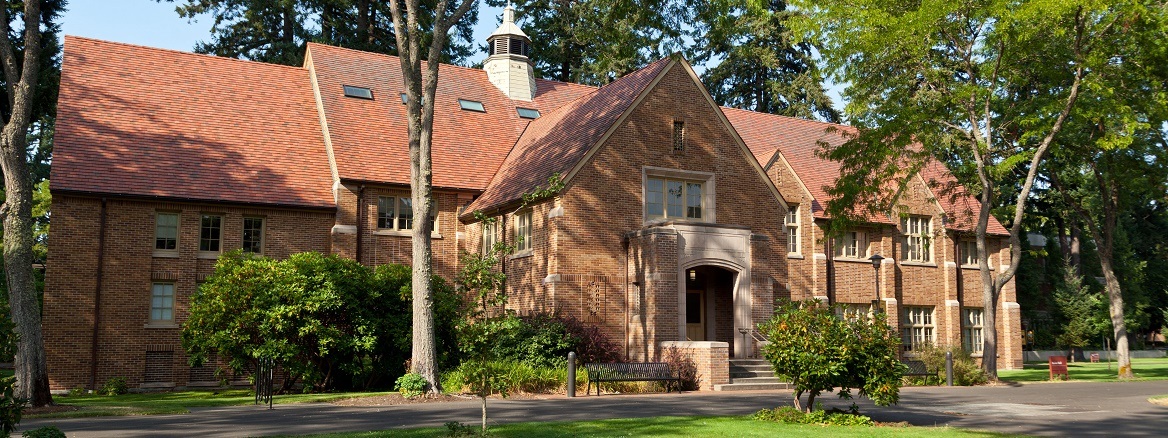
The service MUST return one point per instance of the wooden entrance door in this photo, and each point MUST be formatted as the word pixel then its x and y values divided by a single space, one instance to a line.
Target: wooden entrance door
pixel 695 315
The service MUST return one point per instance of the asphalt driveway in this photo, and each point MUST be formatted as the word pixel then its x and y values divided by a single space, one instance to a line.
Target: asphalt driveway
pixel 1049 409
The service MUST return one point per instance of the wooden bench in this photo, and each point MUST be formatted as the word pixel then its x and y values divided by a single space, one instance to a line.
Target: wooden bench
pixel 630 372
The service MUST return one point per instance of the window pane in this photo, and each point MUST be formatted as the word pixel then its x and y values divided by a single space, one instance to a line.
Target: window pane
pixel 253 234
pixel 385 211
pixel 209 232
pixel 673 198
pixel 655 198
pixel 405 213
pixel 162 302
pixel 693 200
pixel 166 231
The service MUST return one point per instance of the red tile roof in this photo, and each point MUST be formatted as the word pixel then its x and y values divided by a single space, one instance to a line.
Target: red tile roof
pixel 799 139
pixel 557 141
pixel 369 137
pixel 158 123
pixel 150 122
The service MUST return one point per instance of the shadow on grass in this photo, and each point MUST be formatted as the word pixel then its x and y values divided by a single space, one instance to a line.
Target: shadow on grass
pixel 680 426
pixel 178 402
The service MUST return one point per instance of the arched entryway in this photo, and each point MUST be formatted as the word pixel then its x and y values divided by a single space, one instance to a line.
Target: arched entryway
pixel 709 304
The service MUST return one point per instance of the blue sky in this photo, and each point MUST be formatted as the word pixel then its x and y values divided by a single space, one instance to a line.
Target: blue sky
pixel 149 23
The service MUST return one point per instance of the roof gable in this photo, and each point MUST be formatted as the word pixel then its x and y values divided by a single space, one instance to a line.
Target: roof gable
pixel 369 140
pixel 558 141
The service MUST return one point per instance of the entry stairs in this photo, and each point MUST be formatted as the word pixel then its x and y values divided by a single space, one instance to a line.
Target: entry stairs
pixel 751 375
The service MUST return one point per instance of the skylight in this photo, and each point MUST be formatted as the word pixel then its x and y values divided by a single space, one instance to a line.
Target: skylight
pixel 404 98
pixel 471 105
pixel 358 92
pixel 528 113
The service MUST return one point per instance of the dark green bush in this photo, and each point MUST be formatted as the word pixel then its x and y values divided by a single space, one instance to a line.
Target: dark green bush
pixel 329 322
pixel 821 352
pixel 114 386
pixel 411 385
pixel 965 369
pixel 44 432
pixel 11 407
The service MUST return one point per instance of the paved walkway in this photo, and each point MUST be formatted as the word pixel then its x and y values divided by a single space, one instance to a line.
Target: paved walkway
pixel 1051 409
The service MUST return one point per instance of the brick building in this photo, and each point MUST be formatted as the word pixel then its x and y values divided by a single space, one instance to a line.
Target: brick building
pixel 679 224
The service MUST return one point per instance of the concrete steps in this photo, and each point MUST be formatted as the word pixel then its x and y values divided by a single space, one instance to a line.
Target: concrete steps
pixel 751 375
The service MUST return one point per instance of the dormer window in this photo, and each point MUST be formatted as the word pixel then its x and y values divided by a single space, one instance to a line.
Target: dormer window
pixel 528 113
pixel 358 92
pixel 404 98
pixel 471 105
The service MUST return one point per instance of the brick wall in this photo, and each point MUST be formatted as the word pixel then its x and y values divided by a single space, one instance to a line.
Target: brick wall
pixel 130 268
pixel 712 360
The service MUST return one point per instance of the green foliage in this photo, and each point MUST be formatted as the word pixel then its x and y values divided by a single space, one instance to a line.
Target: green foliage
pixel 555 184
pixel 760 68
pixel 965 369
pixel 819 351
pixel 1080 309
pixel 277 32
pixel 456 429
pixel 44 432
pixel 78 391
pixel 411 385
pixel 790 415
pixel 11 407
pixel 114 386
pixel 596 41
pixel 327 321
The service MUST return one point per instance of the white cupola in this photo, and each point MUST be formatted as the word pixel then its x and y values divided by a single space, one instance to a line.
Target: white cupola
pixel 507 65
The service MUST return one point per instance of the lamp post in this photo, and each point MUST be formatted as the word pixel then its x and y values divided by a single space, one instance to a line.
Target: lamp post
pixel 876 259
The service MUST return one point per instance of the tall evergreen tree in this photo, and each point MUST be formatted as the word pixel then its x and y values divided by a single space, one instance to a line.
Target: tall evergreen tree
pixel 597 41
pixel 277 31
pixel 759 65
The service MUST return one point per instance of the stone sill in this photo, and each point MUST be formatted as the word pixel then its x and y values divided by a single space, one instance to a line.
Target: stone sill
pixel 402 233
pixel 166 254
pixel 795 255
pixel 160 326
pixel 918 264
pixel 521 254
pixel 852 260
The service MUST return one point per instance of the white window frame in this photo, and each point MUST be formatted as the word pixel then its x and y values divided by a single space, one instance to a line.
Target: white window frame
pixel 791 224
pixel 263 233
pixel 706 179
pixel 916 239
pixel 171 252
pixel 490 236
pixel 972 329
pixel 853 311
pixel 211 253
pixel 396 219
pixel 158 300
pixel 967 251
pixel 523 232
pixel 852 245
pixel 918 327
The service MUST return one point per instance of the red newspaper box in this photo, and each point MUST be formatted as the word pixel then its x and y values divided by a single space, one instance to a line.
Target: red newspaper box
pixel 1058 366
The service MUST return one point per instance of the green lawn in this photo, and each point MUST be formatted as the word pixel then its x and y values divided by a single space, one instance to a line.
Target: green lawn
pixel 177 402
pixel 1144 369
pixel 679 426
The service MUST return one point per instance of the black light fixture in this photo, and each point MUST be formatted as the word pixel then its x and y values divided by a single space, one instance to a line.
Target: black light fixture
pixel 876 261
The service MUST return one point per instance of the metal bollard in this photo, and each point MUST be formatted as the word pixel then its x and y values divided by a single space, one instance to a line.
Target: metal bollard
pixel 949 368
pixel 571 374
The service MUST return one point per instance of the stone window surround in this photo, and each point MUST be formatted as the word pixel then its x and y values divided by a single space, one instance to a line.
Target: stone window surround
pixel 788 225
pixel 709 209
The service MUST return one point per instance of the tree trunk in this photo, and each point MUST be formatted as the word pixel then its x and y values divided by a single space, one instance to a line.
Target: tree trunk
pixel 484 415
pixel 810 402
pixel 32 379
